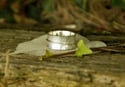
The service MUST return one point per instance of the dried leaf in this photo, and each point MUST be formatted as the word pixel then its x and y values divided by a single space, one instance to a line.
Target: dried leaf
pixel 96 44
pixel 35 47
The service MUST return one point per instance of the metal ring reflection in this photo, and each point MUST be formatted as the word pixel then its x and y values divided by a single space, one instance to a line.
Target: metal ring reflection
pixel 61 40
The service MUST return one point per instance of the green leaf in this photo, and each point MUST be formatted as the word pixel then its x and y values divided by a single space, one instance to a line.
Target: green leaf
pixel 48 53
pixel 82 49
pixel 118 3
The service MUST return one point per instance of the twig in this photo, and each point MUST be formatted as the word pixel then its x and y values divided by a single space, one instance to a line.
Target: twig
pixel 7 64
pixel 4 82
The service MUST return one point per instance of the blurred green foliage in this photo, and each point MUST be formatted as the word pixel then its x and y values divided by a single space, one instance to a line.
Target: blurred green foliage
pixel 48 5
pixel 82 4
pixel 7 15
pixel 118 3
pixel 34 8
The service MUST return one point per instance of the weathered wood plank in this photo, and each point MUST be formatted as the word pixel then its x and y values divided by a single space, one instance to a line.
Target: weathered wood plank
pixel 99 70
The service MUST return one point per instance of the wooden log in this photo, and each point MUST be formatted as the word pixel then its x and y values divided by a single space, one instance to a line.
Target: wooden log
pixel 67 71
pixel 105 69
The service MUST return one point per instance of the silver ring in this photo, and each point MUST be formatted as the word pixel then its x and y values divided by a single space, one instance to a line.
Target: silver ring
pixel 61 40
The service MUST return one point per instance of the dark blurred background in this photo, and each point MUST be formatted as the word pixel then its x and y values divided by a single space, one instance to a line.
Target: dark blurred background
pixel 101 14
